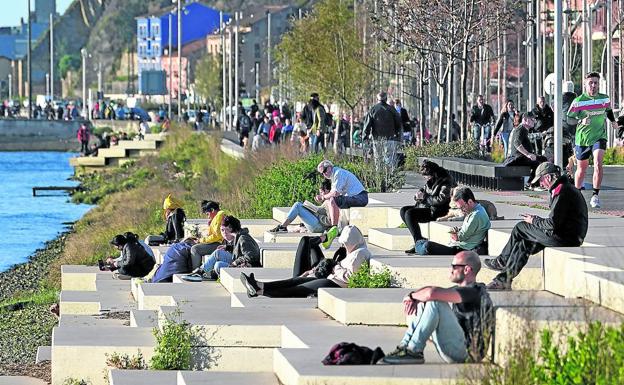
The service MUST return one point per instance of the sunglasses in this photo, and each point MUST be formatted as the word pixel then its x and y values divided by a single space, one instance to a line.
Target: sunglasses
pixel 454 266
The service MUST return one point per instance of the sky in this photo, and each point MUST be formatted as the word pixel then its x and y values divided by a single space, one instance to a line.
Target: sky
pixel 10 16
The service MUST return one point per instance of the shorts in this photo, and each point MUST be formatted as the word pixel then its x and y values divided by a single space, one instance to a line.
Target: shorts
pixel 585 152
pixel 359 200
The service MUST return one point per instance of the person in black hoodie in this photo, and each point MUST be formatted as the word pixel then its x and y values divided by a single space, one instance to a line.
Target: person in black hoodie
pixel 566 226
pixel 135 261
pixel 432 200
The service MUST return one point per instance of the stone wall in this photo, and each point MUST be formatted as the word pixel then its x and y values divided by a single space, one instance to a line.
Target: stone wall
pixel 38 135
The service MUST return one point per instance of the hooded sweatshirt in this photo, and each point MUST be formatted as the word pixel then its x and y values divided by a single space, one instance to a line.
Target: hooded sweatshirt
pixel 214 229
pixel 352 238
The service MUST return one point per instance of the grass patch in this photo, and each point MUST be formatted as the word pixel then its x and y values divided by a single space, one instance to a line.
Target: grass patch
pixel 42 296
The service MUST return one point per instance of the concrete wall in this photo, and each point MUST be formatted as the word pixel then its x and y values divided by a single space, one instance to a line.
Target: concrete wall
pixel 38 135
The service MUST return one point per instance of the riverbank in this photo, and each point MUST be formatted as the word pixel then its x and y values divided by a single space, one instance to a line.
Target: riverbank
pixel 25 320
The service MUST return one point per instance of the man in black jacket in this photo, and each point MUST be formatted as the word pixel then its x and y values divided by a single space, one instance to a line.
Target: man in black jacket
pixel 383 125
pixel 405 120
pixel 481 115
pixel 566 226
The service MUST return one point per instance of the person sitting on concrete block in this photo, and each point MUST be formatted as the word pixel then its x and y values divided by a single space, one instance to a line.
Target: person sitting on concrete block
pixel 213 239
pixel 346 191
pixel 177 260
pixel 566 226
pixel 308 283
pixel 470 236
pixel 315 218
pixel 240 250
pixel 135 261
pixel 458 319
pixel 432 200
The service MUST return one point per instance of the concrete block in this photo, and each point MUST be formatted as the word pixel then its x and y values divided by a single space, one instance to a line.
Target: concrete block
pixel 226 378
pixel 418 271
pixel 138 144
pixel 368 217
pixel 143 318
pixel 293 238
pixel 363 306
pixel 230 277
pixel 80 352
pixel 44 353
pixel 87 161
pixel 21 380
pixel 113 152
pixel 141 377
pixel 395 239
pixel 280 213
pixel 81 278
pixel 154 295
pixel 394 217
pixel 94 302
pixel 241 300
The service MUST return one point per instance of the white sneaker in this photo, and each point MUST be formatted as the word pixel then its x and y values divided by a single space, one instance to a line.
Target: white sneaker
pixel 595 202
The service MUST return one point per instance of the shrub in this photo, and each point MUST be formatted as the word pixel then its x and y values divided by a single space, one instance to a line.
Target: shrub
pixel 614 156
pixel 364 277
pixel 592 357
pixel 75 381
pixel 173 344
pixel 468 149
pixel 124 362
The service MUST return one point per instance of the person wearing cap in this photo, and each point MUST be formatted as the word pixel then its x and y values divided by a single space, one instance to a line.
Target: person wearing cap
pixel 346 191
pixel 382 124
pixel 590 110
pixel 566 226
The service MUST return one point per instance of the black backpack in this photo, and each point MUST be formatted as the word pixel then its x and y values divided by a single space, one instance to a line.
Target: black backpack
pixel 245 123
pixel 348 353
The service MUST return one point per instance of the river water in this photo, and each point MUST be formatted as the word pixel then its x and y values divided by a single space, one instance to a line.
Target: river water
pixel 27 222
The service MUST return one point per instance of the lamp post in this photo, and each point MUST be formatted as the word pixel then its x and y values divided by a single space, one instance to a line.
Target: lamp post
pixel 10 88
pixel 83 53
pixel 179 59
pixel 29 63
pixel 51 56
pixel 170 67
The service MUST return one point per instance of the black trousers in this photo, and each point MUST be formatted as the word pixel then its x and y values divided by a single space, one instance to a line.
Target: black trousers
pixel 434 248
pixel 309 254
pixel 526 239
pixel 412 216
pixel 298 287
pixel 524 161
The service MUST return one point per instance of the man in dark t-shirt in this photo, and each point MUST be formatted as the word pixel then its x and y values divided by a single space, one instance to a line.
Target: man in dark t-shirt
pixel 460 332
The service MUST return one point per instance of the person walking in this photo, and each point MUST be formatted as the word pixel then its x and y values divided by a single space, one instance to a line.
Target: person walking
pixel 83 138
pixel 566 226
pixel 589 110
pixel 313 115
pixel 505 121
pixel 382 124
pixel 482 116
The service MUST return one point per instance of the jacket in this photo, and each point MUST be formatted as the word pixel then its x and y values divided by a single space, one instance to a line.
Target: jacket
pixel 437 195
pixel 382 121
pixel 502 121
pixel 135 261
pixel 568 214
pixel 174 230
pixel 177 260
pixel 352 238
pixel 545 118
pixel 246 250
pixel 214 229
pixel 481 116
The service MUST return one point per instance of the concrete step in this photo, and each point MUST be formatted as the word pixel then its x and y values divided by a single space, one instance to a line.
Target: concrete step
pixel 241 300
pixel 418 271
pixel 94 302
pixel 80 352
pixel 87 161
pixel 21 380
pixel 230 277
pixel 521 325
pixel 269 237
pixel 173 377
pixel 138 144
pixel 593 273
pixel 397 239
pixel 143 318
pixel 256 227
pixel 151 296
pixel 44 353
pixel 113 152
pixel 82 278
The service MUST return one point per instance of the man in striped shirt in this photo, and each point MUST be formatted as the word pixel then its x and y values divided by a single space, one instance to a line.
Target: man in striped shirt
pixel 589 111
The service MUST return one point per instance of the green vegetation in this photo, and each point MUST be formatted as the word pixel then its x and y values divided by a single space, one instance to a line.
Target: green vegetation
pixel 124 362
pixel 591 357
pixel 468 150
pixel 75 381
pixel 99 185
pixel 364 277
pixel 41 296
pixel 173 349
pixel 614 156
pixel 208 78
pixel 69 63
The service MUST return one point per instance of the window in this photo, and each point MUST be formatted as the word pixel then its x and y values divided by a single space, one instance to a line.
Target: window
pixel 156 49
pixel 142 31
pixel 156 30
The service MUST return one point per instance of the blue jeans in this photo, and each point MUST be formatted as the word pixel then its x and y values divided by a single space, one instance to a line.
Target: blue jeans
pixel 476 133
pixel 505 139
pixel 310 221
pixel 436 319
pixel 387 150
pixel 314 143
pixel 217 260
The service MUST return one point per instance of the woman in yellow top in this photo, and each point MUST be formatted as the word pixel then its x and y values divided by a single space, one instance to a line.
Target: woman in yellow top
pixel 210 242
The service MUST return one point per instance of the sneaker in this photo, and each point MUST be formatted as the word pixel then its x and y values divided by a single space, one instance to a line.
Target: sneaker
pixel 595 202
pixel 498 285
pixel 494 264
pixel 330 236
pixel 403 356
pixel 279 229
pixel 250 284
pixel 411 251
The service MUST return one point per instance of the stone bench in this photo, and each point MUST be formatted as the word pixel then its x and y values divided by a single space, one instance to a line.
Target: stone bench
pixel 82 278
pixel 151 296
pixel 397 239
pixel 173 377
pixel 230 277
pixel 418 271
pixel 21 380
pixel 111 295
pixel 484 174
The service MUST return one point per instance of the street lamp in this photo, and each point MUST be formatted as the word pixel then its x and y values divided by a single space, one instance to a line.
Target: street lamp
pixel 170 66
pixel 83 53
